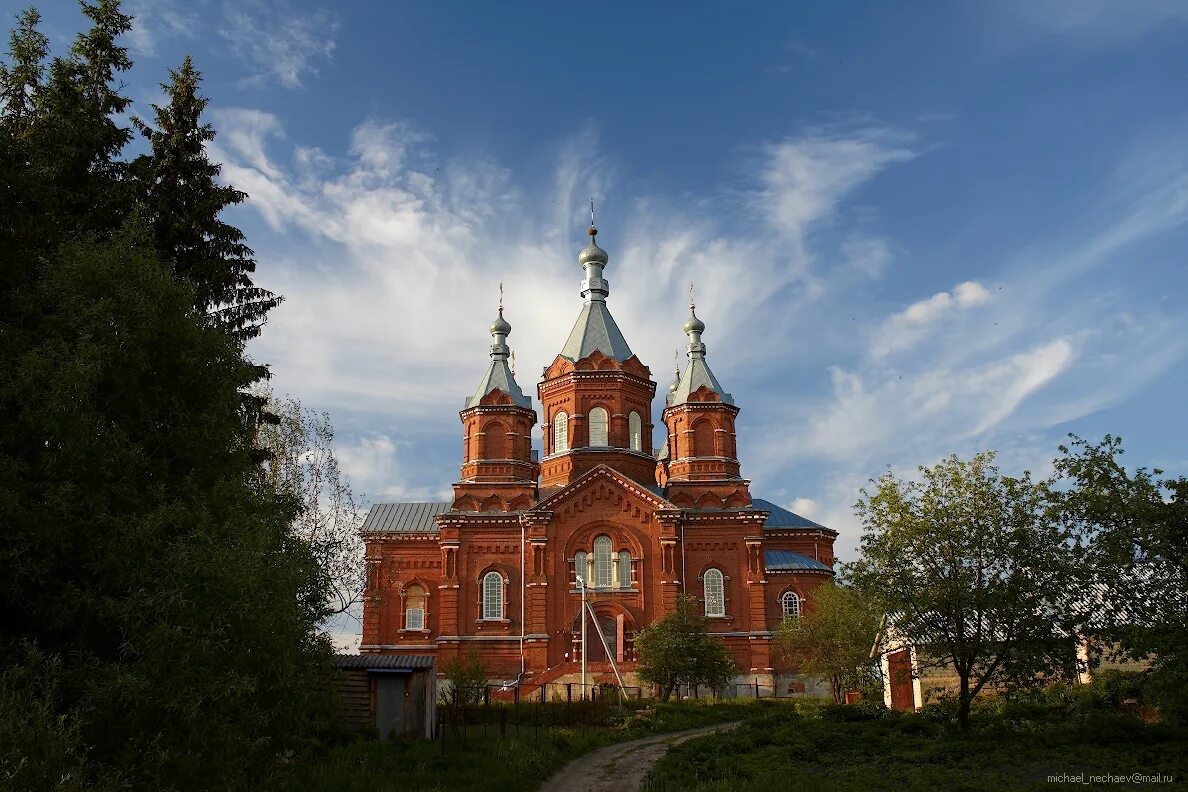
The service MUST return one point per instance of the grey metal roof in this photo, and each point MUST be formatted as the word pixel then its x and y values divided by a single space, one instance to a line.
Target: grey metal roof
pixel 596 329
pixel 787 561
pixel 403 517
pixel 781 517
pixel 383 661
pixel 697 374
pixel 499 377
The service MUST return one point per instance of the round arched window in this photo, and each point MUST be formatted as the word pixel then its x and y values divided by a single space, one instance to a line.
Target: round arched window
pixel 635 431
pixel 560 432
pixel 599 427
pixel 603 564
pixel 715 593
pixel 790 604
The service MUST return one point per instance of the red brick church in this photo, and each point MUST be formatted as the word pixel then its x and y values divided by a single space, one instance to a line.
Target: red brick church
pixel 495 568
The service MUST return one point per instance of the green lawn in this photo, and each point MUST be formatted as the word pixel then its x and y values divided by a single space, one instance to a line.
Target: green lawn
pixel 486 763
pixel 856 748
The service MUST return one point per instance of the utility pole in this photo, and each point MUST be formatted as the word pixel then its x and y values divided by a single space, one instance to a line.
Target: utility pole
pixel 582 584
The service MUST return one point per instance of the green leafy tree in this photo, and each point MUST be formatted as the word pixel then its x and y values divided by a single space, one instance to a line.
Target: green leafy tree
pixel 1134 526
pixel 142 550
pixel 679 650
pixel 973 569
pixel 465 683
pixel 177 185
pixel 832 639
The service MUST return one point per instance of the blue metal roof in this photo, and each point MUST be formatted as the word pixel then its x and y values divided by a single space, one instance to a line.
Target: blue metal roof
pixel 787 561
pixel 781 517
pixel 404 517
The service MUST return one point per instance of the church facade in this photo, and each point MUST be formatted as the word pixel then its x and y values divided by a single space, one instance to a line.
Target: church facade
pixel 500 567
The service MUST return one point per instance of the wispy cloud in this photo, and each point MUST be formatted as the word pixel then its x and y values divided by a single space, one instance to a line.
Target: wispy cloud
pixel 1098 22
pixel 907 327
pixel 279 43
pixel 155 21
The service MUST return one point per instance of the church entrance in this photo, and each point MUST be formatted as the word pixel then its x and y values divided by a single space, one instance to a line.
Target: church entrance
pixel 595 652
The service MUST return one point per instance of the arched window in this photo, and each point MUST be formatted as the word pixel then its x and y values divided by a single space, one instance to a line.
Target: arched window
pixel 560 433
pixel 414 608
pixel 715 593
pixel 492 596
pixel 790 605
pixel 579 567
pixel 598 427
pixel 635 431
pixel 603 565
pixel 624 569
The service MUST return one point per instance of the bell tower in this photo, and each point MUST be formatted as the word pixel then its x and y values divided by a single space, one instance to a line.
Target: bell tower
pixel 701 465
pixel 498 469
pixel 596 395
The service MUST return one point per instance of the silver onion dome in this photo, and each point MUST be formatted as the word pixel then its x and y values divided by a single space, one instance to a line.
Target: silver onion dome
pixel 694 325
pixel 500 326
pixel 593 254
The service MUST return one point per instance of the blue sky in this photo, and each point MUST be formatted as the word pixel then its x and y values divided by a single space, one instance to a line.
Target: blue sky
pixel 915 229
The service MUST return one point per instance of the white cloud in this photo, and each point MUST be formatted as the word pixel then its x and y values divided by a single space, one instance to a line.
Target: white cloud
pixel 806 507
pixel 1102 22
pixel 157 20
pixel 904 329
pixel 278 43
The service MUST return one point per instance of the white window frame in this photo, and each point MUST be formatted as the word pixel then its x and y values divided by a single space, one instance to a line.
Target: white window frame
pixel 492 596
pixel 624 569
pixel 599 427
pixel 793 599
pixel 560 432
pixel 635 431
pixel 411 623
pixel 604 562
pixel 714 583
pixel 581 563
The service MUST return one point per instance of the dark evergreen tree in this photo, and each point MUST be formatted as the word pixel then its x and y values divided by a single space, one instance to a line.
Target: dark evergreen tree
pixel 178 187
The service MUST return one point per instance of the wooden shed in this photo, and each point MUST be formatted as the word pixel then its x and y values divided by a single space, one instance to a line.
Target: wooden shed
pixel 392 694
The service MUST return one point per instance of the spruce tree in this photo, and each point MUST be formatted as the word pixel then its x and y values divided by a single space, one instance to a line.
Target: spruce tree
pixel 178 187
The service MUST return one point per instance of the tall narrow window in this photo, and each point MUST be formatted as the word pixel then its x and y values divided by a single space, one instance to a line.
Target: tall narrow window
pixel 635 430
pixel 579 567
pixel 492 596
pixel 414 608
pixel 598 427
pixel 624 569
pixel 715 594
pixel 560 433
pixel 603 564
pixel 790 604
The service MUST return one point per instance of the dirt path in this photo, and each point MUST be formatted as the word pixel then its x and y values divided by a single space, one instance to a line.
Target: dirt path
pixel 621 767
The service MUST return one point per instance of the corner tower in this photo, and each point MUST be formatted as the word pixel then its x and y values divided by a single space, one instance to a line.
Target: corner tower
pixel 596 394
pixel 498 469
pixel 700 467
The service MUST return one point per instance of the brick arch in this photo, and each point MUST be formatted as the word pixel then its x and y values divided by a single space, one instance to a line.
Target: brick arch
pixel 495 440
pixel 494 503
pixel 520 503
pixel 622 538
pixel 737 499
pixel 466 503
pixel 684 500
pixel 709 501
pixel 703 438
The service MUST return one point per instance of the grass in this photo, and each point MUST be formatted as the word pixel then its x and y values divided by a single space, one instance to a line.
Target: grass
pixel 490 763
pixel 863 748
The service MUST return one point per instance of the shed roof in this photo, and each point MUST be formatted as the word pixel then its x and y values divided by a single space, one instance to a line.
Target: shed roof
pixel 383 661
pixel 404 517
pixel 787 561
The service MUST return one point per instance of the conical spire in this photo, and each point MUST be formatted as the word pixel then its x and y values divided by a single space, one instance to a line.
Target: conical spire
pixel 499 374
pixel 697 373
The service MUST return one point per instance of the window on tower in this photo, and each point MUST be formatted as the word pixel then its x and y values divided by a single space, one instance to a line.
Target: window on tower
pixel 560 433
pixel 635 430
pixel 598 427
pixel 715 593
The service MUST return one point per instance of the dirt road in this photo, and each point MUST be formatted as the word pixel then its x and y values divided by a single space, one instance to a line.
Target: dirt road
pixel 621 767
